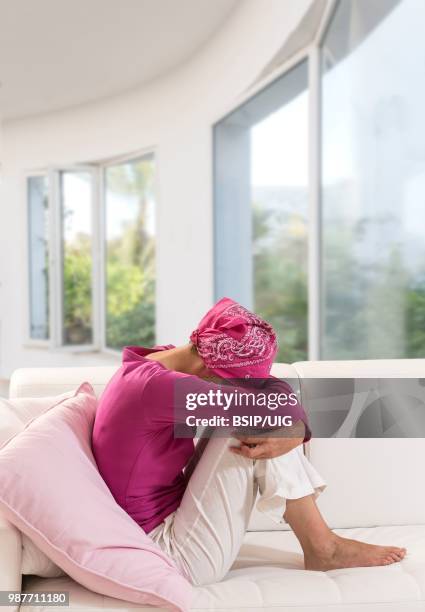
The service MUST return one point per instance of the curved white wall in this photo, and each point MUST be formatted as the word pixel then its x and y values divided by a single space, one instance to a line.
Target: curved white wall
pixel 174 115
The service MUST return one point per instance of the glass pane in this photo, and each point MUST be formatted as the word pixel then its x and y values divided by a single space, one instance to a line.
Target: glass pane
pixel 261 204
pixel 38 233
pixel 130 254
pixel 373 181
pixel 76 190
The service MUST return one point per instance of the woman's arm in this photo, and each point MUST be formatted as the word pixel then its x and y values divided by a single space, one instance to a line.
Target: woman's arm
pixel 167 390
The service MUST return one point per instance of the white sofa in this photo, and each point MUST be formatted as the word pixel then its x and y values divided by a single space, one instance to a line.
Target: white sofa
pixel 376 492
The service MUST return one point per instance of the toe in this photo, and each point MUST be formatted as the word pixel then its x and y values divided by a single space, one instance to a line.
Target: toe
pixel 400 552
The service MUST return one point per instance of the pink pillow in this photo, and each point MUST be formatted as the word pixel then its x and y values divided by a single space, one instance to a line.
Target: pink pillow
pixel 51 490
pixel 15 414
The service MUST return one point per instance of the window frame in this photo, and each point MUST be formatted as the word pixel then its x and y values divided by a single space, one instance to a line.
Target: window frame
pixel 311 54
pixel 97 171
pixel 56 269
pixel 115 161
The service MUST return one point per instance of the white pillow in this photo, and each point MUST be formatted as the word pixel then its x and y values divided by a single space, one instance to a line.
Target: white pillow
pixel 34 561
pixel 10 422
pixel 15 414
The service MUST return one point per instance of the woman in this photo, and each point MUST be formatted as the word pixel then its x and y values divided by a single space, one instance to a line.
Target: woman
pixel 196 502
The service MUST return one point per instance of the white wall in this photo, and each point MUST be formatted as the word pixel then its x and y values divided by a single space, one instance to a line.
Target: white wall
pixel 174 115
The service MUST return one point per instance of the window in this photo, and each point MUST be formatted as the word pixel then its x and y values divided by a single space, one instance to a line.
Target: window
pixel 76 207
pixel 130 253
pixel 261 173
pixel 38 241
pixel 373 181
pixel 319 183
pixel 96 290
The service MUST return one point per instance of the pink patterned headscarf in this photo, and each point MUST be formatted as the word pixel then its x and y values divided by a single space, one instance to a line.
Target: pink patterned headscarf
pixel 235 343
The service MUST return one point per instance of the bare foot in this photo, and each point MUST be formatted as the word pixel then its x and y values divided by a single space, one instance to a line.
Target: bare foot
pixel 339 552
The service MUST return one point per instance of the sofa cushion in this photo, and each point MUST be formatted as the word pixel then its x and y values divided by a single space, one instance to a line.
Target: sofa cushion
pixel 268 576
pixel 361 368
pixel 38 382
pixel 51 490
pixel 370 481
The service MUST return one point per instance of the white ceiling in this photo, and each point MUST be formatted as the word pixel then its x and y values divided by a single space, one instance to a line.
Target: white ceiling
pixel 58 53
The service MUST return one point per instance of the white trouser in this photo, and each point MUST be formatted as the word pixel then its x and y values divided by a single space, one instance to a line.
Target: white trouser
pixel 204 535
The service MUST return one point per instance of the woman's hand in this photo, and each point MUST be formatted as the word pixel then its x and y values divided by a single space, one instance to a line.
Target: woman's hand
pixel 266 447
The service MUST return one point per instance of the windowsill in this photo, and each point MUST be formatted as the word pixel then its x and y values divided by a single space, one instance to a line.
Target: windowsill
pixel 34 345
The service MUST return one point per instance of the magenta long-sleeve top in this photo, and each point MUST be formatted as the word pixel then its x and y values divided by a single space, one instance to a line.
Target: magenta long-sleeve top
pixel 133 437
